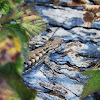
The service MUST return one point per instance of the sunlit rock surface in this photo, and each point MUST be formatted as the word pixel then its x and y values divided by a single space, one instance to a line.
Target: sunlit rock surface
pixel 59 76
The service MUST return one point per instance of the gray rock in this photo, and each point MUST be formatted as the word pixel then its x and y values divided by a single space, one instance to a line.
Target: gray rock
pixel 65 17
pixel 38 98
pixel 59 77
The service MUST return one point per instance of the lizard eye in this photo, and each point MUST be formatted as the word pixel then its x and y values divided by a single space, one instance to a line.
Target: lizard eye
pixel 25 62
pixel 51 39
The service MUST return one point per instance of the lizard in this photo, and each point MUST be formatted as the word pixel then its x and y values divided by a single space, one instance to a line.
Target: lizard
pixel 37 56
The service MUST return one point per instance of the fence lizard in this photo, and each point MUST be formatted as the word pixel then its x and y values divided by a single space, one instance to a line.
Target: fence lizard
pixel 37 56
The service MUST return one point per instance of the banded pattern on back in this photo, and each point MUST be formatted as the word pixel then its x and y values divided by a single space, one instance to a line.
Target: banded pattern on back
pixel 39 53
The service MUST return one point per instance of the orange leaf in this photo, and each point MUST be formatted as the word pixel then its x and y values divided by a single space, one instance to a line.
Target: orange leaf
pixel 97 17
pixel 91 14
pixel 88 18
pixel 56 2
pixel 97 2
pixel 92 8
pixel 78 2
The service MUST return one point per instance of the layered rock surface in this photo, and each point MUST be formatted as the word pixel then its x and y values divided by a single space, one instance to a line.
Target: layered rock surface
pixel 59 76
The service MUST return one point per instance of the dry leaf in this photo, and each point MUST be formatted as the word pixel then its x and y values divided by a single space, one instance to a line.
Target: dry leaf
pixel 91 14
pixel 97 17
pixel 78 2
pixel 92 8
pixel 56 2
pixel 97 2
pixel 88 18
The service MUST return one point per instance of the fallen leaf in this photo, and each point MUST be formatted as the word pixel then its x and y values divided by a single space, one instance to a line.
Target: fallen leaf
pixel 97 2
pixel 91 14
pixel 56 2
pixel 78 2
pixel 92 8
pixel 88 18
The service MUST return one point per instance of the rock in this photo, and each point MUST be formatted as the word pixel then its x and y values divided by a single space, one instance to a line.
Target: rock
pixel 38 98
pixel 83 47
pixel 79 34
pixel 77 54
pixel 66 17
pixel 59 76
pixel 37 77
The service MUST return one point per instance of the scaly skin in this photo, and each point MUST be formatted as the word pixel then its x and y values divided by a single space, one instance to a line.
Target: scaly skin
pixel 39 53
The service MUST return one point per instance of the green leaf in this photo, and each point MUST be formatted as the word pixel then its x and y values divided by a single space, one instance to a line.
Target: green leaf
pixel 10 74
pixel 30 20
pixel 93 84
pixel 6 92
pixel 3 33
pixel 19 65
pixel 5 5
pixel 27 17
pixel 10 46
pixel 16 2
pixel 16 29
pixel 19 87
pixel 5 9
pixel 12 68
